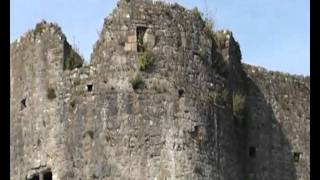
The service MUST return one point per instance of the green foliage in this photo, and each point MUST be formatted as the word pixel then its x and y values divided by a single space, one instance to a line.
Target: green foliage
pixel 198 15
pixel 238 103
pixel 72 59
pixel 218 97
pixel 136 81
pixel 208 28
pixel 140 40
pixel 51 93
pixel 146 59
pixel 39 29
pixel 212 97
pixel 140 35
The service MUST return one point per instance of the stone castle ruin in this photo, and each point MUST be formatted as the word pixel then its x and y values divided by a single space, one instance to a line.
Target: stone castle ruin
pixel 164 97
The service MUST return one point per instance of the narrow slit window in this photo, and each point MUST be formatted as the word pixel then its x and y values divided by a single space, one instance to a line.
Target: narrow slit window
pixel 252 152
pixel 180 92
pixel 296 156
pixel 23 103
pixel 89 87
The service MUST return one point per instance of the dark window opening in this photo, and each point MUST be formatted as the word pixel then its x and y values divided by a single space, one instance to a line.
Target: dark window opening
pixel 196 129
pixel 296 156
pixel 23 103
pixel 89 86
pixel 51 93
pixel 180 92
pixel 34 177
pixel 47 175
pixel 195 133
pixel 140 35
pixel 252 152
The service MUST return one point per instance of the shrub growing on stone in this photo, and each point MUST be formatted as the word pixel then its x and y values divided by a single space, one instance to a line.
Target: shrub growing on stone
pixel 218 97
pixel 198 15
pixel 238 103
pixel 39 29
pixel 208 28
pixel 212 97
pixel 146 59
pixel 72 58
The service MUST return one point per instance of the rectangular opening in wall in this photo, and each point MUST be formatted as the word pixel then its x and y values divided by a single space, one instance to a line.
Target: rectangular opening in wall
pixel 296 156
pixel 89 87
pixel 180 92
pixel 34 177
pixel 23 103
pixel 252 152
pixel 47 175
pixel 140 34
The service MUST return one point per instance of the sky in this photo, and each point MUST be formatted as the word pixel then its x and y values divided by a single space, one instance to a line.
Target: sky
pixel 271 33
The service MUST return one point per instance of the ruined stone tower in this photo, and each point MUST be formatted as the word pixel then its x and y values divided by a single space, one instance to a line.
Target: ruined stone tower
pixel 163 98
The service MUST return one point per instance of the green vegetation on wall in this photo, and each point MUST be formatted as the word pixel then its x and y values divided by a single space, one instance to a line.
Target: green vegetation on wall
pixel 238 103
pixel 39 29
pixel 71 59
pixel 218 97
pixel 146 59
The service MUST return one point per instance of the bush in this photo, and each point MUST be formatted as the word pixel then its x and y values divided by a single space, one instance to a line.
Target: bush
pixel 212 97
pixel 198 15
pixel 39 29
pixel 51 93
pixel 218 97
pixel 208 28
pixel 72 58
pixel 146 59
pixel 238 103
pixel 136 81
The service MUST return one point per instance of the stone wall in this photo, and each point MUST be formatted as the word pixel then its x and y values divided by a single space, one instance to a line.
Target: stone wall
pixel 175 119
pixel 36 101
pixel 279 124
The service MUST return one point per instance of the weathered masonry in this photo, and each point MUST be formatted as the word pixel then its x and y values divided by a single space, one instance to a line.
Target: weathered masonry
pixel 164 97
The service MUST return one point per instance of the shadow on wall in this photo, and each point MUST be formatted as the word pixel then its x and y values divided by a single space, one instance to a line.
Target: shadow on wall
pixel 269 152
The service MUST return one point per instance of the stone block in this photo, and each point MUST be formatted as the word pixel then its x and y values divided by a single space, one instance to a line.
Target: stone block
pixel 132 39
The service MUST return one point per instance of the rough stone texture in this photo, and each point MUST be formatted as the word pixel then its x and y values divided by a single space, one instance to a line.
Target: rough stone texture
pixel 179 123
pixel 279 124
